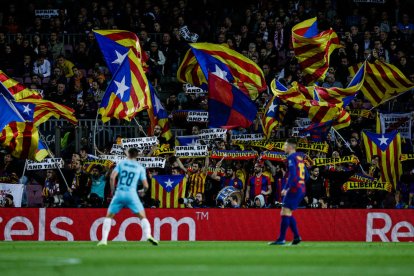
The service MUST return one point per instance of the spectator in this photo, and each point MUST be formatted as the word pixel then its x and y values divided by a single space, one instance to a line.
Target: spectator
pixel 65 65
pixel 315 189
pixel 229 179
pixel 98 182
pixel 24 69
pixel 77 194
pixel 156 62
pixel 51 190
pixel 331 82
pixel 258 184
pixel 55 47
pixel 42 67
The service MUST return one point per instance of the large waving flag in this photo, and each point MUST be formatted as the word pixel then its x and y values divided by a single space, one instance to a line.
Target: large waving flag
pixel 320 103
pixel 318 131
pixel 128 92
pixel 227 105
pixel 382 82
pixel 17 90
pixel 273 116
pixel 387 146
pixel 31 100
pixel 158 115
pixel 313 49
pixel 189 140
pixel 168 189
pixel 20 137
pixel 203 58
pixel 115 44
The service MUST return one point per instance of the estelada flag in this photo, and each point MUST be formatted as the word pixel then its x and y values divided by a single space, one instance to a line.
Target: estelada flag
pixel 313 49
pixel 167 189
pixel 387 146
pixel 115 45
pixel 203 58
pixel 128 92
pixel 227 105
pixel 382 82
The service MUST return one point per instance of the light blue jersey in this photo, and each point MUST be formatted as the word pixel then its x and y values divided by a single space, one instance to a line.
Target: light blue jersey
pixel 130 173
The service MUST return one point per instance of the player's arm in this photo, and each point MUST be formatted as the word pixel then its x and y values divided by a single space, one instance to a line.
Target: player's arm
pixel 114 175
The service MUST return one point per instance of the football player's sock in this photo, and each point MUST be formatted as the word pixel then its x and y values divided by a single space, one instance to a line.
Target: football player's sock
pixel 146 228
pixel 284 224
pixel 294 227
pixel 106 227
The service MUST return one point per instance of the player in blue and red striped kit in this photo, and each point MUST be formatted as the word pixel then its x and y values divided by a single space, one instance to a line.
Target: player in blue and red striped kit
pixel 293 193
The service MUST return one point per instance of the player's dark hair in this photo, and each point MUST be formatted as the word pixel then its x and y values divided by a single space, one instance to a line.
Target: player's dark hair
pixel 133 153
pixel 291 141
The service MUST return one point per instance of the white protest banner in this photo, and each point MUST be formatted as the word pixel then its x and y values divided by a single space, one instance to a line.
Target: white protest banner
pixel 248 137
pixel 117 149
pixel 16 190
pixel 152 162
pixel 191 151
pixel 46 164
pixel 296 132
pixel 197 116
pixel 141 143
pixel 395 121
pixel 113 158
pixel 370 1
pixel 190 89
pixel 303 122
pixel 212 133
pixel 46 14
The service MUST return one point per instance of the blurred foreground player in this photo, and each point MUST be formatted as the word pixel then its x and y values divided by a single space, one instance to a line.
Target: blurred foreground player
pixel 293 193
pixel 129 173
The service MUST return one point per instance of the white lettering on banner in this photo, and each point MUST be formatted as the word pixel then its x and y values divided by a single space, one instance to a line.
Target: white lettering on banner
pixel 9 232
pixel 46 14
pixel 16 190
pixel 303 122
pixel 117 149
pixel 46 164
pixel 191 151
pixel 142 143
pixel 197 116
pixel 296 132
pixel 174 224
pixel 212 133
pixel 248 137
pixel 113 158
pixel 189 89
pixel 401 122
pixel 381 232
pixel 152 162
pixel 59 232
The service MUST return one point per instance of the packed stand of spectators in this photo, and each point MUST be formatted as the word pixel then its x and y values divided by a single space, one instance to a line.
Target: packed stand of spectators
pixel 39 53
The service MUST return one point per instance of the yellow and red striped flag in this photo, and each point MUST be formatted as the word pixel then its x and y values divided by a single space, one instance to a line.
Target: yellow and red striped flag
pixel 273 116
pixel 115 45
pixel 167 189
pixel 382 82
pixel 43 109
pixel 22 139
pixel 127 93
pixel 387 146
pixel 313 49
pixel 204 58
pixel 16 89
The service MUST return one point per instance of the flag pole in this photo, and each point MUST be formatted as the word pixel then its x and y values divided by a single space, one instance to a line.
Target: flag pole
pixel 94 132
pixel 52 155
pixel 140 127
pixel 348 146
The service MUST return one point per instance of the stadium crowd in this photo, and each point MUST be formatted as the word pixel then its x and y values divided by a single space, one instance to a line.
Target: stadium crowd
pixel 32 50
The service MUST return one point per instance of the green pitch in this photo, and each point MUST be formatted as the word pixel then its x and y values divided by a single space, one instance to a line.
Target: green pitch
pixel 205 258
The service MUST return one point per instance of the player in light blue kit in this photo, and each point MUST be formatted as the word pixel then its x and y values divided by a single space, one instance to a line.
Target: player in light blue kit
pixel 129 172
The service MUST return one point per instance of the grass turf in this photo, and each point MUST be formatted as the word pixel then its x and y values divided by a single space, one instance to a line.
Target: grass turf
pixel 205 258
